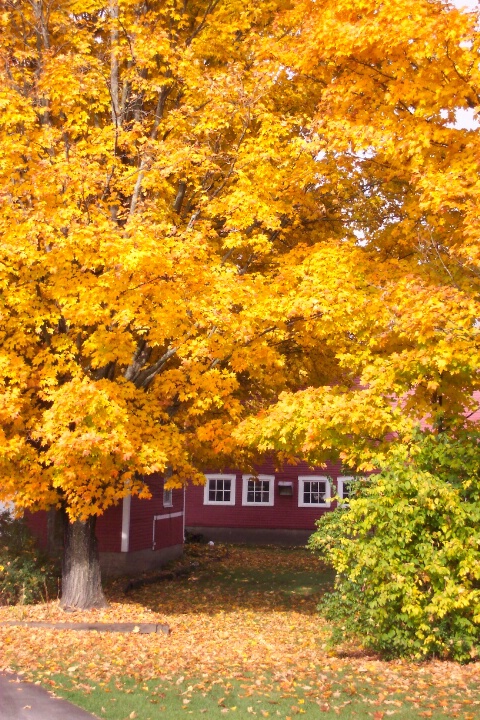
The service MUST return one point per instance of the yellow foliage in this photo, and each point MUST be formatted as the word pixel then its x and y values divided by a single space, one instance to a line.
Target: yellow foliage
pixel 205 205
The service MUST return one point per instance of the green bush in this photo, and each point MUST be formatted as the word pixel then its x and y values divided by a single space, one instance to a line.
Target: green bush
pixel 26 575
pixel 407 553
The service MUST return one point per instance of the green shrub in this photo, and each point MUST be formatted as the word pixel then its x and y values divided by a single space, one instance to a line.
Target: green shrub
pixel 26 575
pixel 407 553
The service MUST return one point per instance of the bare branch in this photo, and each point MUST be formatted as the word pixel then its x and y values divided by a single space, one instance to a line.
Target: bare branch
pixel 114 85
pixel 42 29
pixel 177 205
pixel 162 97
pixel 145 377
pixel 209 9
pixel 139 359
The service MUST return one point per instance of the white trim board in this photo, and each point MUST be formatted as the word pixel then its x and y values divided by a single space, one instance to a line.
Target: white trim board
pixel 219 476
pixel 168 515
pixel 271 488
pixel 125 536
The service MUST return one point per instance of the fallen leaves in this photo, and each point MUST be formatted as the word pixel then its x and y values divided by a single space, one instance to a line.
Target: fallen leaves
pixel 225 630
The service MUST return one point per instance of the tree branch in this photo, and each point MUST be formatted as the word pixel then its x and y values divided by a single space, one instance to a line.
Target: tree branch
pixel 145 377
pixel 177 205
pixel 114 84
pixel 162 97
pixel 209 9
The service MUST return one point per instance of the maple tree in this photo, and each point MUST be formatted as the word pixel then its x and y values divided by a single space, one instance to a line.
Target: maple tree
pixel 152 168
pixel 207 203
pixel 397 297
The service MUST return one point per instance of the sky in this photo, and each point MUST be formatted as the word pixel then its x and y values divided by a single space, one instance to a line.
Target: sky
pixel 467 4
pixel 465 118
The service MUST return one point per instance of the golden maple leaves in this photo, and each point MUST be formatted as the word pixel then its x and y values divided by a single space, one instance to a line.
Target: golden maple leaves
pixel 204 206
pixel 399 304
pixel 148 178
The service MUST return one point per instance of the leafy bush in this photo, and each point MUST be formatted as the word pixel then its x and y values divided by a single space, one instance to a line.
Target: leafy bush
pixel 407 553
pixel 26 575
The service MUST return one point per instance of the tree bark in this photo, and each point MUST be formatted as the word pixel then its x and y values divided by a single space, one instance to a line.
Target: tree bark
pixel 81 577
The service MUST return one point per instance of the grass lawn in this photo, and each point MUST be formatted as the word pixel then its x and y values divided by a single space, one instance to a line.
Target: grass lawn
pixel 246 641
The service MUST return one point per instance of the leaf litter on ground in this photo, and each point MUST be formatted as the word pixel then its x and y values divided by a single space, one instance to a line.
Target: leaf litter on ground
pixel 246 619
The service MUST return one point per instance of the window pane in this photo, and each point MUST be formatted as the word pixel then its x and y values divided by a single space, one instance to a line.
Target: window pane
pixel 314 492
pixel 258 491
pixel 219 490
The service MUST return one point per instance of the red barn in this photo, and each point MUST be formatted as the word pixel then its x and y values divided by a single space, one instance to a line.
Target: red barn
pixel 275 506
pixel 278 507
pixel 135 535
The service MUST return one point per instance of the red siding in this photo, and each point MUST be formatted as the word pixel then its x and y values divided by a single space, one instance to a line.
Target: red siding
pixel 109 529
pixel 37 522
pixel 284 514
pixel 168 530
pixel 475 417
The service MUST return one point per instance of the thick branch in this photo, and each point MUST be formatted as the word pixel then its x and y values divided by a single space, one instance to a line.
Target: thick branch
pixel 143 378
pixel 139 359
pixel 40 19
pixel 177 205
pixel 114 84
pixel 162 97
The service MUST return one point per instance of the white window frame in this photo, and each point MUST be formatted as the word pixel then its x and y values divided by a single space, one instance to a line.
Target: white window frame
pixel 219 476
pixel 167 497
pixel 271 490
pixel 314 478
pixel 340 484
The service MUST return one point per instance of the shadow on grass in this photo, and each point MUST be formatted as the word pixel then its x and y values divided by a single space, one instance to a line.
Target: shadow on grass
pixel 233 578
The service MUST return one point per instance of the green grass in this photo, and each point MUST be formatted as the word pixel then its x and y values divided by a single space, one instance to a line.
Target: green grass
pixel 241 698
pixel 241 588
pixel 302 582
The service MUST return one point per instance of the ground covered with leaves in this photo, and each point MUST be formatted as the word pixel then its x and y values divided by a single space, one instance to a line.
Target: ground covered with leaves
pixel 246 639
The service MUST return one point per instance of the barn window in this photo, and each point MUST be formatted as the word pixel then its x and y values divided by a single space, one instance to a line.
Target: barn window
pixel 313 491
pixel 344 487
pixel 258 490
pixel 167 497
pixel 219 490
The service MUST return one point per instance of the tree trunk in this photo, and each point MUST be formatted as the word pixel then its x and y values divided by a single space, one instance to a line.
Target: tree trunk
pixel 81 578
